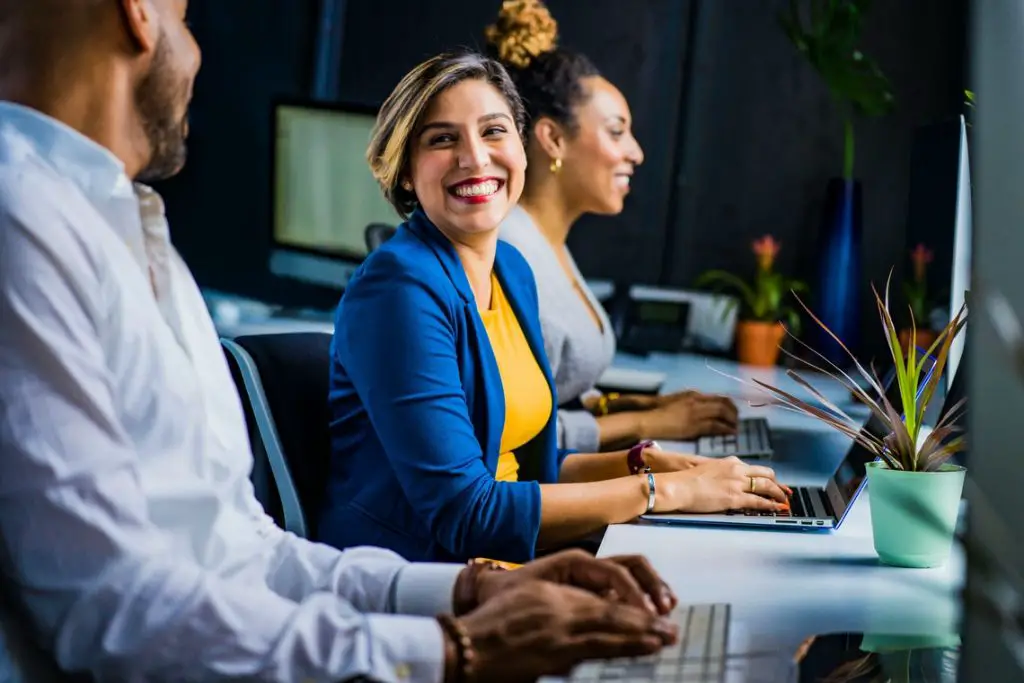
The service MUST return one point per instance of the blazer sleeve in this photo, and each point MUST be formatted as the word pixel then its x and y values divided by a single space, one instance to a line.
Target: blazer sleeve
pixel 396 340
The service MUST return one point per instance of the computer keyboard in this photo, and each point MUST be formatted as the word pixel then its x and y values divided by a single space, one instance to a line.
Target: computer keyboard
pixel 699 656
pixel 752 440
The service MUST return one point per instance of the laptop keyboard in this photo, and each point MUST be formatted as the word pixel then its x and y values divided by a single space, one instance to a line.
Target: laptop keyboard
pixel 698 657
pixel 800 505
pixel 752 439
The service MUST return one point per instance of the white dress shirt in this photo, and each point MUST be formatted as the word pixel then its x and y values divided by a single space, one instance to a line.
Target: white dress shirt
pixel 129 530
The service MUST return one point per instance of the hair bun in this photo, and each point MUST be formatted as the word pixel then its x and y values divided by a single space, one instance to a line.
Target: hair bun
pixel 525 30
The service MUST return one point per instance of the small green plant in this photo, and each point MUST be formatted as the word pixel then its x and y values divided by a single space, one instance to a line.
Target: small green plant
pixel 916 288
pixel 901 449
pixel 828 39
pixel 763 300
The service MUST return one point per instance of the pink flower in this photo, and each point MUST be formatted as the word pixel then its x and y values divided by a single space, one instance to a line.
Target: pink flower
pixel 921 256
pixel 766 249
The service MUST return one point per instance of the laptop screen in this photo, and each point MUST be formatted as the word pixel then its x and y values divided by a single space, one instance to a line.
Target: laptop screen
pixel 849 477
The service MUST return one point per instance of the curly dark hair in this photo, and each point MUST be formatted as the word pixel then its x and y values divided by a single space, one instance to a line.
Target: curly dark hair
pixel 548 77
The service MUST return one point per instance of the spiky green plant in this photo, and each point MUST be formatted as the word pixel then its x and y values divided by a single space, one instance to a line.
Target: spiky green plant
pixel 900 449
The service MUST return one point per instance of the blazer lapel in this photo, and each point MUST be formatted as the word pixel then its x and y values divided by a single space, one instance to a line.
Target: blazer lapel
pixel 518 297
pixel 421 226
pixel 484 390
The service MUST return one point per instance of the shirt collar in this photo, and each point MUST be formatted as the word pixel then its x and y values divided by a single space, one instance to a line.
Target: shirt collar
pixel 89 165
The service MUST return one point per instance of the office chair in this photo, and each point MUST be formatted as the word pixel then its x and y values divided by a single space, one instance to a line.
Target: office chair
pixel 283 379
pixel 22 658
pixel 377 234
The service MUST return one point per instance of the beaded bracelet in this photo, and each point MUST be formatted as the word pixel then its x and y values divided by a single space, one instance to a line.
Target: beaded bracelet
pixel 465 655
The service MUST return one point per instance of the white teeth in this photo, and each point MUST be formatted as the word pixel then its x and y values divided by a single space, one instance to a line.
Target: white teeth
pixel 487 187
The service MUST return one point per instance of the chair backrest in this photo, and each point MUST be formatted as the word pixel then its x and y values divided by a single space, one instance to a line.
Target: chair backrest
pixel 22 660
pixel 377 234
pixel 285 382
pixel 271 478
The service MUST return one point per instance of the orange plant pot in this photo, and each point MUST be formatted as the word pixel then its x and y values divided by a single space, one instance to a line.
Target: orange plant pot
pixel 925 338
pixel 757 343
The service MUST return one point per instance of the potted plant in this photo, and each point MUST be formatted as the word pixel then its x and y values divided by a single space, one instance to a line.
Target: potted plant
pixel 915 491
pixel 760 330
pixel 916 291
pixel 827 35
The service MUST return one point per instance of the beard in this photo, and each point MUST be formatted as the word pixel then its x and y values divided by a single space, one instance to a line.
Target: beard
pixel 158 98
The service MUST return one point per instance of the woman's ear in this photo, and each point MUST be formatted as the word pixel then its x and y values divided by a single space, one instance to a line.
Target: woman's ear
pixel 550 136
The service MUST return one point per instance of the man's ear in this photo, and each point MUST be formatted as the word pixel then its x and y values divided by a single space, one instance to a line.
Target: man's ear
pixel 551 137
pixel 141 23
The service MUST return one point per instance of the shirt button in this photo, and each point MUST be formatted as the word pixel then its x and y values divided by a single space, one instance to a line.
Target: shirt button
pixel 403 672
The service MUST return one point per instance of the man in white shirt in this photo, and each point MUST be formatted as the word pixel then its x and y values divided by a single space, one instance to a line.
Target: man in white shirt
pixel 129 532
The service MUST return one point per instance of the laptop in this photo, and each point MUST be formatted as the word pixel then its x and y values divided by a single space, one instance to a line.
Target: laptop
pixel 753 439
pixel 811 508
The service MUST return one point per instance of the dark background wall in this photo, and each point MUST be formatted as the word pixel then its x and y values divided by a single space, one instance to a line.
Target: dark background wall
pixel 763 136
pixel 740 134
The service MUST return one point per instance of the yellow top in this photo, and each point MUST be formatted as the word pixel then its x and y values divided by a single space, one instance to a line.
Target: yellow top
pixel 527 394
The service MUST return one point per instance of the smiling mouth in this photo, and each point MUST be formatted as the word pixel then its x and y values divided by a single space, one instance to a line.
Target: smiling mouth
pixel 622 180
pixel 476 190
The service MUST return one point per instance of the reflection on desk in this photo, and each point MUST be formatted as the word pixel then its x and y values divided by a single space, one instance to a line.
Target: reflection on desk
pixel 856 657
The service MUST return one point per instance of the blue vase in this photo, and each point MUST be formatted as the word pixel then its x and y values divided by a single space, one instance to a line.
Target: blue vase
pixel 840 277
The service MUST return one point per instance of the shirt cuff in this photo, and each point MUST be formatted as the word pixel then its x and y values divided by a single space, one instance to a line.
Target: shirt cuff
pixel 426 589
pixel 413 648
pixel 579 431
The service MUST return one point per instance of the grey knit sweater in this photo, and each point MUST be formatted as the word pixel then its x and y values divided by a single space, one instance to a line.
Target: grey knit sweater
pixel 578 351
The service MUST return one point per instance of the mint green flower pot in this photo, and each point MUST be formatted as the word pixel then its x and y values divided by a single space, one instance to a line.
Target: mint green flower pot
pixel 913 514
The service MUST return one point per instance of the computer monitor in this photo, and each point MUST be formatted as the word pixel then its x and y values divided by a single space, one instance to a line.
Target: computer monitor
pixel 961 276
pixel 993 641
pixel 323 193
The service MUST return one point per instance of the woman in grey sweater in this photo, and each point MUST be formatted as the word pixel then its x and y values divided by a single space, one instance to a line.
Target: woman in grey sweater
pixel 582 155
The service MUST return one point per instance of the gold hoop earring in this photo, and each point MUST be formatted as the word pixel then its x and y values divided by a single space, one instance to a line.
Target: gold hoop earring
pixel 556 165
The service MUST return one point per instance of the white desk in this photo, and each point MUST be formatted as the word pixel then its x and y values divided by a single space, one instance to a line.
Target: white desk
pixel 785 585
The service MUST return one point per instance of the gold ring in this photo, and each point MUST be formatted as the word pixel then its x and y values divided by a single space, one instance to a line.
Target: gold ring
pixel 753 484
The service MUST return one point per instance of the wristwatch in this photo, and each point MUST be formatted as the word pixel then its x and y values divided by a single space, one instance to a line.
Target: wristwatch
pixel 635 457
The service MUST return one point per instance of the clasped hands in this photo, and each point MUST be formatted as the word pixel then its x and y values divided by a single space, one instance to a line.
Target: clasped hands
pixel 552 614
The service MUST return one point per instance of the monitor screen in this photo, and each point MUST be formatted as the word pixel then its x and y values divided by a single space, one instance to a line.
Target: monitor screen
pixel 324 193
pixel 961 275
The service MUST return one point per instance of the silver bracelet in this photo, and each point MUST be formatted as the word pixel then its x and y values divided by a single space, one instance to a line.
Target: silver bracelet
pixel 650 493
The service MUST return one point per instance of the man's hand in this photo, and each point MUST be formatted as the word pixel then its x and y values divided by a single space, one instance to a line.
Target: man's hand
pixel 530 628
pixel 627 579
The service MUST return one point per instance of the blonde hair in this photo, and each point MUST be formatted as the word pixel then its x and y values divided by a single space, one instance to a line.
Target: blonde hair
pixel 524 31
pixel 402 113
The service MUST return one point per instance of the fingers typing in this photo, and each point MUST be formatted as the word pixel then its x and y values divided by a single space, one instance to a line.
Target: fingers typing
pixel 651 584
pixel 602 576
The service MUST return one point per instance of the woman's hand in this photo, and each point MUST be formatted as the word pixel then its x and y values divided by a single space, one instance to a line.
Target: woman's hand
pixel 669 461
pixel 689 415
pixel 719 485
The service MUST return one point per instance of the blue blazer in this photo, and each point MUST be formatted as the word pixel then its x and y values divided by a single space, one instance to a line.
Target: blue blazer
pixel 417 409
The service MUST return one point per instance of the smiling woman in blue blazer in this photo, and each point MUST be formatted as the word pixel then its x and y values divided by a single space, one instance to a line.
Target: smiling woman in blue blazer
pixel 443 413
